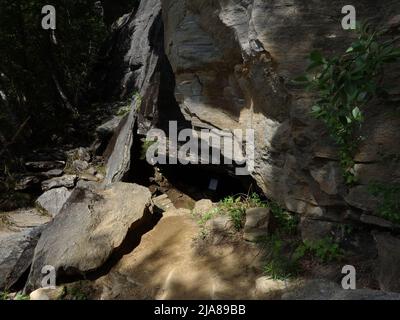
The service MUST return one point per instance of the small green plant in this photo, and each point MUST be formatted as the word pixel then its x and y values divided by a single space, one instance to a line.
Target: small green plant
pixel 325 250
pixel 138 100
pixel 345 84
pixel 146 144
pixel 389 200
pixel 236 206
pixel 123 110
pixel 3 295
pixel 280 264
pixel 20 296
pixel 287 223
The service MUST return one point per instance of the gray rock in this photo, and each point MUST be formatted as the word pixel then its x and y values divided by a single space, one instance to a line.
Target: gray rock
pixel 388 261
pixel 26 182
pixel 67 181
pixel 80 165
pixel 47 294
pixel 53 173
pixel 314 230
pixel 89 228
pixel 377 221
pixel 53 200
pixel 267 287
pixel 45 165
pixel 219 224
pixel 360 197
pixel 326 290
pixel 329 177
pixel 107 129
pixel 203 206
pixel 19 233
pixel 118 152
pixel 257 221
pixel 82 154
pixel 134 68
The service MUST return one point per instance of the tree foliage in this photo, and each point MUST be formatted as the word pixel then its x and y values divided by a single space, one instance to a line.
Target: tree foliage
pixel 345 84
pixel 44 73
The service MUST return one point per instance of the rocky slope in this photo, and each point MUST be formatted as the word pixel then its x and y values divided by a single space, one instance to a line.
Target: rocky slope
pixel 223 64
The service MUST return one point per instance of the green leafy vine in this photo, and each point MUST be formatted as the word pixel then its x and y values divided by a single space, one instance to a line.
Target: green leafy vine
pixel 345 84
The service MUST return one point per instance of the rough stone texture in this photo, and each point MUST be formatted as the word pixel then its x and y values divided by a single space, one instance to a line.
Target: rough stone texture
pixel 118 152
pixel 203 206
pixel 53 200
pixel 267 288
pixel 19 233
pixel 389 261
pixel 45 165
pixel 256 225
pixel 47 294
pixel 52 173
pixel 133 68
pixel 26 183
pixel 314 230
pixel 233 61
pixel 67 181
pixel 325 290
pixel 107 129
pixel 91 225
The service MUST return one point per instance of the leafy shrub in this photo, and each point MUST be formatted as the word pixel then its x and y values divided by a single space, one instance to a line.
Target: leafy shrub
pixel 287 223
pixel 325 250
pixel 236 206
pixel 345 84
pixel 280 264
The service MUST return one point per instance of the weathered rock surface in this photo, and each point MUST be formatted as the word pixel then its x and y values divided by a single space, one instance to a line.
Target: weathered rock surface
pixel 256 225
pixel 47 294
pixel 91 225
pixel 233 62
pixel 314 230
pixel 325 290
pixel 19 233
pixel 202 207
pixel 45 165
pixel 134 68
pixel 53 200
pixel 67 181
pixel 267 288
pixel 389 261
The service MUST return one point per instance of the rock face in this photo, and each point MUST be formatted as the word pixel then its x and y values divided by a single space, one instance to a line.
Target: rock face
pixel 325 290
pixel 233 61
pixel 19 233
pixel 132 71
pixel 84 234
pixel 53 200
pixel 389 261
pixel 257 221
pixel 67 181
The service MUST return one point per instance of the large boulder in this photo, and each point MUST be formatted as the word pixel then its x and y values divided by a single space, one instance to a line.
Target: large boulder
pixel 53 200
pixel 19 233
pixel 256 225
pixel 88 229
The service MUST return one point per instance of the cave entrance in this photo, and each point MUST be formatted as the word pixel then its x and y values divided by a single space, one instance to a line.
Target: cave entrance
pixel 213 182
